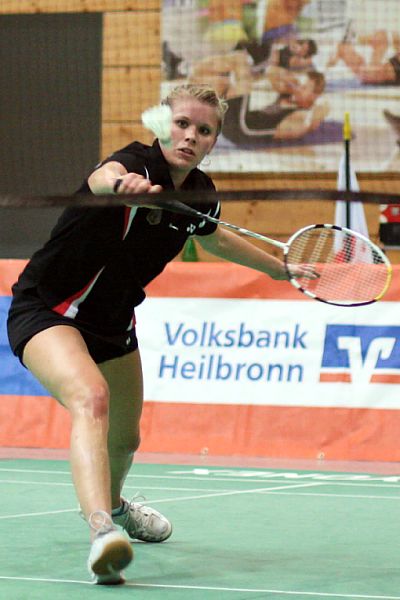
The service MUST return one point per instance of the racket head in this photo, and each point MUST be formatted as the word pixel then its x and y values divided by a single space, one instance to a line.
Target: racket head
pixel 352 270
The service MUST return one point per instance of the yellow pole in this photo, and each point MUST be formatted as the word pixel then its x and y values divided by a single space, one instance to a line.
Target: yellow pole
pixel 347 127
pixel 347 138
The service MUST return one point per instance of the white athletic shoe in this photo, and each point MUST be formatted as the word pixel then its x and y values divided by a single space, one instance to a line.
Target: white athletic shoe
pixel 109 554
pixel 142 522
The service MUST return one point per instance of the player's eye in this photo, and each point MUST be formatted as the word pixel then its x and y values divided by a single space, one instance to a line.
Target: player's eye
pixel 204 130
pixel 182 123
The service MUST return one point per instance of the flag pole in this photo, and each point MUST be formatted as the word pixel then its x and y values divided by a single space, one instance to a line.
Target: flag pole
pixel 347 138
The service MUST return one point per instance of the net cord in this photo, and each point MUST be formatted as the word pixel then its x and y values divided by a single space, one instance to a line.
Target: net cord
pixel 167 199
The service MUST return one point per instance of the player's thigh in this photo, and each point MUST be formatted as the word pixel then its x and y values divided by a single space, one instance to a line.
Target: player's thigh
pixel 58 357
pixel 125 381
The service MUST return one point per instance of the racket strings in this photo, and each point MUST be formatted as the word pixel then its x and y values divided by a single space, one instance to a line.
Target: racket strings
pixel 350 270
pixel 317 250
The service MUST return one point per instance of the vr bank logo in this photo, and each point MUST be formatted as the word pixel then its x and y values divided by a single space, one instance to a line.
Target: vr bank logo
pixel 361 354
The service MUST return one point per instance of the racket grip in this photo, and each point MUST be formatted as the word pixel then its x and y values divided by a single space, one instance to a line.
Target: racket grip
pixel 116 185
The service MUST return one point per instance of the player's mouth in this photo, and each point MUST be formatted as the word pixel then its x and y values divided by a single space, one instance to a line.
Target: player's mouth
pixel 186 152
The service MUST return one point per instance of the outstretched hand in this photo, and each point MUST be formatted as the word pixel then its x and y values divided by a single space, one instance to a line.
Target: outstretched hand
pixel 133 183
pixel 303 270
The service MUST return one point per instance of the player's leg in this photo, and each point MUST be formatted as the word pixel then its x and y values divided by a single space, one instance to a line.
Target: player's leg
pixel 59 359
pixel 125 381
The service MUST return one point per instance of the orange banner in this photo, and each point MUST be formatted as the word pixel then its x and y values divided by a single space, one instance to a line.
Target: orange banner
pixel 335 433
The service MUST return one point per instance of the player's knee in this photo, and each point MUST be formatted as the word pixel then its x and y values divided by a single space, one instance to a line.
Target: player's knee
pixel 91 400
pixel 125 445
pixel 134 442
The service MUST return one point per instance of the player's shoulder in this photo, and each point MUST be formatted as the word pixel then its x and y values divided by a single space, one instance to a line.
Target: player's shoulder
pixel 132 156
pixel 135 147
pixel 135 150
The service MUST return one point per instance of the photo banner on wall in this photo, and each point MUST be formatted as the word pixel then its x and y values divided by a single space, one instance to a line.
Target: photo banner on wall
pixel 289 71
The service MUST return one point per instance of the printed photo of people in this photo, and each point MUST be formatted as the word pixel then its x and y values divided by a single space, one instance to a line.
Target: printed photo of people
pixel 290 70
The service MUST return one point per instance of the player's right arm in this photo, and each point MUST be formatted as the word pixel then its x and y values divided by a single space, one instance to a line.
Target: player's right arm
pixel 112 177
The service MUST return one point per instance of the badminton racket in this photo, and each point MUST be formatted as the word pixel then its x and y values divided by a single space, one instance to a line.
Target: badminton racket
pixel 351 270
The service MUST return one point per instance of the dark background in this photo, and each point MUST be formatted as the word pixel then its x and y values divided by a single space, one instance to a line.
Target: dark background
pixel 50 111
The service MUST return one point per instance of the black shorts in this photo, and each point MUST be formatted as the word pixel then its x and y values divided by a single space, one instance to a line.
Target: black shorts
pixel 28 315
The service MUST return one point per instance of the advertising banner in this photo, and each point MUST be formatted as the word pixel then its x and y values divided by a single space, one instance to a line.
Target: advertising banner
pixel 270 352
pixel 235 363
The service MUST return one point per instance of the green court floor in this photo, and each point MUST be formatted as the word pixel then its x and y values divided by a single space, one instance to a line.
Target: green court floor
pixel 239 534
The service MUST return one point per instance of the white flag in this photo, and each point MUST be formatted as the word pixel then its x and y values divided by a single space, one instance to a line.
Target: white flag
pixel 358 221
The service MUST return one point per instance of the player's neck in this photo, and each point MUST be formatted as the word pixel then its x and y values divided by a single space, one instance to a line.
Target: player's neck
pixel 178 176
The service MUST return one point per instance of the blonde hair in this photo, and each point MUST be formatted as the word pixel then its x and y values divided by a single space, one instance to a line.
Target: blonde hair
pixel 203 93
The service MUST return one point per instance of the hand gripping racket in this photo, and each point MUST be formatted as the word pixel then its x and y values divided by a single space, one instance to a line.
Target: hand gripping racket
pixel 352 270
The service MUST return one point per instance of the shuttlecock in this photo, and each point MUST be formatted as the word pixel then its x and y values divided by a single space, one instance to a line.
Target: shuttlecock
pixel 159 120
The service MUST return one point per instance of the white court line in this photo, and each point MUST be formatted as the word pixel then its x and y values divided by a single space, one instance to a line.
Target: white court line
pixel 47 471
pixel 133 487
pixel 25 482
pixel 235 493
pixel 212 588
pixel 39 514
pixel 266 491
pixel 273 490
pixel 278 479
pixel 355 496
pixel 197 478
pixel 198 497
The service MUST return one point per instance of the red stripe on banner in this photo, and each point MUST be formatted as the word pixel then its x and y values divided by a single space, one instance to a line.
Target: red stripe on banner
pixel 33 422
pixel 228 280
pixel 229 430
pixel 280 432
pixel 385 378
pixel 335 377
pixel 206 280
pixel 218 280
pixel 9 273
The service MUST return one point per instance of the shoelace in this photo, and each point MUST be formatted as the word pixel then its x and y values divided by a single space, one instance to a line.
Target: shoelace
pixel 100 522
pixel 137 499
pixel 141 517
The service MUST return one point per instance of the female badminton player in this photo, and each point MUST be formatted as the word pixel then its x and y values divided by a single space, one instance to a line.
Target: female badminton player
pixel 72 323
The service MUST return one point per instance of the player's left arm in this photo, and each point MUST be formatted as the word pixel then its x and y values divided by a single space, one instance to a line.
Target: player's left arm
pixel 230 246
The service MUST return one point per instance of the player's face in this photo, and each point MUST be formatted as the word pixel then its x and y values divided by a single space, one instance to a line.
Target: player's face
pixel 193 134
